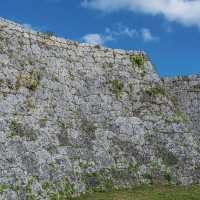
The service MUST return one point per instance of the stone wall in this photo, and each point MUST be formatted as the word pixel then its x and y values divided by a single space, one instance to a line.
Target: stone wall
pixel 187 92
pixel 76 118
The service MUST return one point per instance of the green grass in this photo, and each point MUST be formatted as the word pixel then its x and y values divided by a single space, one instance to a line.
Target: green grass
pixel 148 193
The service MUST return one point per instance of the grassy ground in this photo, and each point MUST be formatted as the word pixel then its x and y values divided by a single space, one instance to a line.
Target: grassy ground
pixel 148 193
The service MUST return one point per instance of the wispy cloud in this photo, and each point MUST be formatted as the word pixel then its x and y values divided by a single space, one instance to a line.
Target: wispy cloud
pixel 121 31
pixel 148 36
pixel 186 12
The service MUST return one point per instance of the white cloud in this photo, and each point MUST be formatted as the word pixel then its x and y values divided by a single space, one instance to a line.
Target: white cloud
pixel 147 35
pixel 95 38
pixel 186 12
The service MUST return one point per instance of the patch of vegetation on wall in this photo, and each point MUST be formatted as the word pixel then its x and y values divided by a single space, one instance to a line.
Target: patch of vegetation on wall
pixel 22 131
pixel 88 129
pixel 167 156
pixel 43 121
pixel 156 91
pixel 59 190
pixel 196 87
pixel 139 61
pixel 30 103
pixel 98 181
pixel 117 88
pixel 30 80
pixel 64 126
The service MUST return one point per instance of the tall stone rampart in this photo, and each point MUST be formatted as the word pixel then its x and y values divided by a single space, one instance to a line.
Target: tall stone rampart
pixel 76 118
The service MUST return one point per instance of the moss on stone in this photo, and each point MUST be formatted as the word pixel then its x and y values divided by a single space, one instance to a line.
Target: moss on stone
pixel 156 91
pixel 169 158
pixel 43 121
pixel 65 124
pixel 3 187
pixel 18 129
pixel 88 128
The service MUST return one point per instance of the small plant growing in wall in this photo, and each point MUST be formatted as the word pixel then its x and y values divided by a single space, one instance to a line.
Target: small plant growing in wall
pixel 137 60
pixel 30 80
pixel 130 89
pixel 117 88
pixel 30 103
pixel 43 121
pixel 71 75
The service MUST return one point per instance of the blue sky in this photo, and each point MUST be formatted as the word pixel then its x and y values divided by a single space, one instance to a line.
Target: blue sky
pixel 169 31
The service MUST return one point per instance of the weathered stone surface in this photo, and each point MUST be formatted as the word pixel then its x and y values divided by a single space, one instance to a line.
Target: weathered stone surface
pixel 187 91
pixel 76 118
